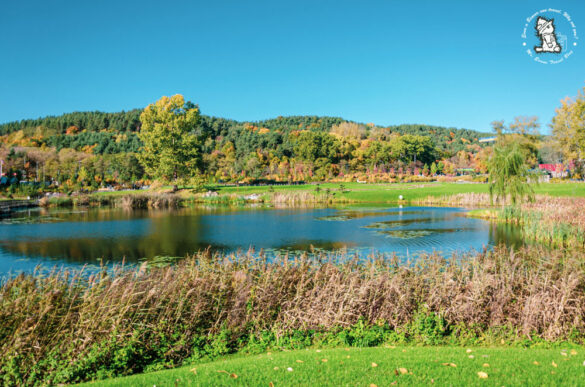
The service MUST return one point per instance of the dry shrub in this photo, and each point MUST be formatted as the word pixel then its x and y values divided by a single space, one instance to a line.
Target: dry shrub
pixel 463 199
pixel 150 200
pixel 44 201
pixel 299 197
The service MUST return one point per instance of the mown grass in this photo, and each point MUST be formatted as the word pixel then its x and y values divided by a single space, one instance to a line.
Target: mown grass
pixel 380 366
pixel 383 193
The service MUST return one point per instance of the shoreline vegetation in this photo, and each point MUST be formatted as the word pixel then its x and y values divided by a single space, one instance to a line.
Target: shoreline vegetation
pixel 66 327
pixel 446 193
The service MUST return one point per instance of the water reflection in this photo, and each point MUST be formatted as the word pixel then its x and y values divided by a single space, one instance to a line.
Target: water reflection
pixel 86 237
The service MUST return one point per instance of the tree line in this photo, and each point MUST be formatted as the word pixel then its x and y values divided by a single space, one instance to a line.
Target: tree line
pixel 91 149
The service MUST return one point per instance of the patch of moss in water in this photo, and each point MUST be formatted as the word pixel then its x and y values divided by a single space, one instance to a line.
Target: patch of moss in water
pixel 405 234
pixel 333 218
pixel 411 234
pixel 398 223
pixel 348 215
pixel 30 220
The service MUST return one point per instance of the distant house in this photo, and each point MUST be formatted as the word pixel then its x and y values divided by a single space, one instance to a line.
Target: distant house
pixel 555 170
pixel 488 139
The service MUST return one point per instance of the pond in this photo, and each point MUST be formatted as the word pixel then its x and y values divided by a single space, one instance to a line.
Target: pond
pixel 77 237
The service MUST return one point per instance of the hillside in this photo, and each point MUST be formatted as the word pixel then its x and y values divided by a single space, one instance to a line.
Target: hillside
pixel 110 133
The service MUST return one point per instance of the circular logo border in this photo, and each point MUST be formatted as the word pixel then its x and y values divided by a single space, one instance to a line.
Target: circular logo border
pixel 568 51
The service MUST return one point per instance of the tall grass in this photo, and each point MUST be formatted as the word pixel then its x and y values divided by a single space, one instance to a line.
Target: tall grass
pixel 468 199
pixel 294 197
pixel 553 221
pixel 66 327
pixel 305 197
pixel 557 222
pixel 150 200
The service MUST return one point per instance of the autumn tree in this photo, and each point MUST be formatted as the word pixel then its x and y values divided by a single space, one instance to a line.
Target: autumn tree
pixel 568 127
pixel 349 129
pixel 171 149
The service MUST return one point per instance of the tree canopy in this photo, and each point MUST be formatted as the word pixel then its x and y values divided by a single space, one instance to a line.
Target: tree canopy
pixel 171 149
pixel 568 127
pixel 509 174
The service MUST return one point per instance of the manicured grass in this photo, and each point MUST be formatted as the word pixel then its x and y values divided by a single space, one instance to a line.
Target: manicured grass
pixel 381 193
pixel 371 193
pixel 380 366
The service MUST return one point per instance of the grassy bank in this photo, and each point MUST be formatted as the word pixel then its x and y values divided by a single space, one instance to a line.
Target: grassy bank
pixel 333 193
pixel 386 193
pixel 382 366
pixel 64 328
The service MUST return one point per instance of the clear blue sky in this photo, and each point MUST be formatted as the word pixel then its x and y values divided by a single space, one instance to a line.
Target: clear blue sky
pixel 452 63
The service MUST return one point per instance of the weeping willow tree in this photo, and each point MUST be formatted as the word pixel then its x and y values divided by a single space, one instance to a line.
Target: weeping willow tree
pixel 509 175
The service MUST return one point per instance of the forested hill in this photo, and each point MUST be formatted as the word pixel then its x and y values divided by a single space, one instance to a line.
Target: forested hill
pixel 107 133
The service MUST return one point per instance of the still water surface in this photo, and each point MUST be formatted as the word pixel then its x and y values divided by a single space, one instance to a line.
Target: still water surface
pixel 77 237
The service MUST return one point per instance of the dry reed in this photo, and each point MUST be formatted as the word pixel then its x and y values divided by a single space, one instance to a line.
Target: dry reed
pixel 151 200
pixel 61 318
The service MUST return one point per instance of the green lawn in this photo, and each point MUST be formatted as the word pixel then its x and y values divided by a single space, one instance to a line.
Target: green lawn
pixel 409 191
pixel 379 366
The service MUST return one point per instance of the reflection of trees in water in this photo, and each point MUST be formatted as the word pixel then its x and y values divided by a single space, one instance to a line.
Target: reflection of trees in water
pixel 505 233
pixel 167 234
pixel 115 234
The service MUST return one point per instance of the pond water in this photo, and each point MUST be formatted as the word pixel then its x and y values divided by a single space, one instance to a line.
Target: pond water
pixel 77 237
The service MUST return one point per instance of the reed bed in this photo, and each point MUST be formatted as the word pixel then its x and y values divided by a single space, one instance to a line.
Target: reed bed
pixel 553 221
pixel 469 199
pixel 67 327
pixel 295 198
pixel 305 197
pixel 149 200
pixel 557 222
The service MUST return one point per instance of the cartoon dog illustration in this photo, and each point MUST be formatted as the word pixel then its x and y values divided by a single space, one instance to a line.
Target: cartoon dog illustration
pixel 545 30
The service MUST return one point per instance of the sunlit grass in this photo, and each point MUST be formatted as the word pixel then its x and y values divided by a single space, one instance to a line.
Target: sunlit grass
pixel 379 366
pixel 391 192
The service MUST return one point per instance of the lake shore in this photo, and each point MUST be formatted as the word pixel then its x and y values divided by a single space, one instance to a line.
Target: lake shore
pixel 435 193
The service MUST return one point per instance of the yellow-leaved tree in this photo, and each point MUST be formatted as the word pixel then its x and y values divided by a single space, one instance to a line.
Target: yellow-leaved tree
pixel 568 127
pixel 171 149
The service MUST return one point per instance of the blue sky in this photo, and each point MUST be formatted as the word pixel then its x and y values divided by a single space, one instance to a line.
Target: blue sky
pixel 452 63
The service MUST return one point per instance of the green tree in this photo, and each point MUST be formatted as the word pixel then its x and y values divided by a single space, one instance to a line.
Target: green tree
pixel 509 175
pixel 171 149
pixel 410 148
pixel 433 169
pixel 523 131
pixel 313 145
